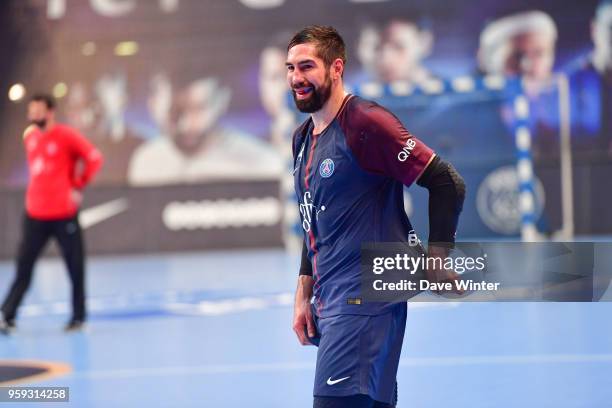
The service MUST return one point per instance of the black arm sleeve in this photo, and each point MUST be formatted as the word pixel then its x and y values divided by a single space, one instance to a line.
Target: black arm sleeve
pixel 305 265
pixel 446 195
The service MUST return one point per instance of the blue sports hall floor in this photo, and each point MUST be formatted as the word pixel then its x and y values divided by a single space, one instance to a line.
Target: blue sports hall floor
pixel 214 330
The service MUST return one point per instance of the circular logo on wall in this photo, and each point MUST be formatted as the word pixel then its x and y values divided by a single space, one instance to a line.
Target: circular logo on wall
pixel 326 169
pixel 497 200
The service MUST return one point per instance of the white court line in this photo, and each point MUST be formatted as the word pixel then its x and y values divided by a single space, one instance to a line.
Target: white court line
pixel 168 302
pixel 191 370
pixel 493 360
pixel 299 366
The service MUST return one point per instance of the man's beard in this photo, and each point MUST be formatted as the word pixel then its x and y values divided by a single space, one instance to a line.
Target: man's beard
pixel 317 98
pixel 41 123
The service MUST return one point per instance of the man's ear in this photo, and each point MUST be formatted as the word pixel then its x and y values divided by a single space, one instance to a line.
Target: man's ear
pixel 337 69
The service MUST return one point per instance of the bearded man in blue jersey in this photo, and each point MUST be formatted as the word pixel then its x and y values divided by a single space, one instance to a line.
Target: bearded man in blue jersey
pixel 352 158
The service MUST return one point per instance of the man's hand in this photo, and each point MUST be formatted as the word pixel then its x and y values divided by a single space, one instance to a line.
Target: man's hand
pixel 302 313
pixel 76 196
pixel 441 275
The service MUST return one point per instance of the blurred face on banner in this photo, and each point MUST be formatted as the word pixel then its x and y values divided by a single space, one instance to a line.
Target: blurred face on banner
pixel 195 113
pixel 601 31
pixel 39 114
pixel 367 48
pixel 531 55
pixel 521 44
pixel 402 48
pixel 272 81
pixel 308 77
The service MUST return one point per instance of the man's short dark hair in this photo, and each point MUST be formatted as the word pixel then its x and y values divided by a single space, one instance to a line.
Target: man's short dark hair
pixel 328 42
pixel 48 100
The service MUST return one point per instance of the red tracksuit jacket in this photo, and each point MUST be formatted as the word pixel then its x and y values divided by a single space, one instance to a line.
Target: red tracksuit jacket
pixel 59 160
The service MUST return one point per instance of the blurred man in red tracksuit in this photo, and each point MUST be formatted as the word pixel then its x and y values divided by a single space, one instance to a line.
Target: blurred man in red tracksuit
pixel 61 163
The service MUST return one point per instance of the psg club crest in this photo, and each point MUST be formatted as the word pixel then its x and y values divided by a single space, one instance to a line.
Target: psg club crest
pixel 326 169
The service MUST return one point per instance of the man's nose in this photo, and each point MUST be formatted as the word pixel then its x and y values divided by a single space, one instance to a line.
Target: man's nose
pixel 296 78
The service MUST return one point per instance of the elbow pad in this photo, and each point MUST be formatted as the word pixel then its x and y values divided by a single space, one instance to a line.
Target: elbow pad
pixel 446 194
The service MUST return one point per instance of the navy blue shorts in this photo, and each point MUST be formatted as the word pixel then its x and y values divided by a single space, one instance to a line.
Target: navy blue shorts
pixel 359 354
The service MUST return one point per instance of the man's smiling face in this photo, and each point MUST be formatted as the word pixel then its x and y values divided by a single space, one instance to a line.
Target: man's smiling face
pixel 308 78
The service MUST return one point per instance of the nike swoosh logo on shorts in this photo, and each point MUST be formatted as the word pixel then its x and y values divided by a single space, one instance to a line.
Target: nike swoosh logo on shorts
pixel 332 382
pixel 96 214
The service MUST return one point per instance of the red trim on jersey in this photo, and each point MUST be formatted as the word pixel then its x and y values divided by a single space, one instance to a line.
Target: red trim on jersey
pixel 309 162
pixel 315 137
pixel 381 144
pixel 307 185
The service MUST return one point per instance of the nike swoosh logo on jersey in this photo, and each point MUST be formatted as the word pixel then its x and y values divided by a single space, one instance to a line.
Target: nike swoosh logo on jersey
pixel 102 212
pixel 333 382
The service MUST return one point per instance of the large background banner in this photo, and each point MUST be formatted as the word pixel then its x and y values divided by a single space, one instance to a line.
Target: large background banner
pixel 185 97
pixel 152 219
